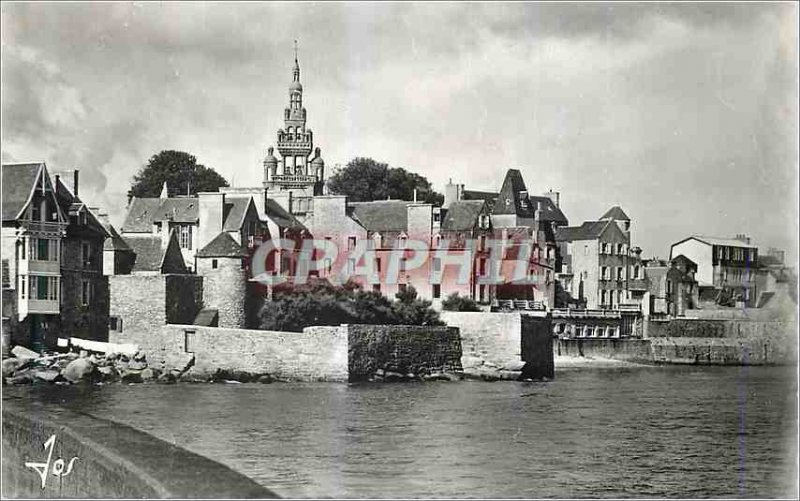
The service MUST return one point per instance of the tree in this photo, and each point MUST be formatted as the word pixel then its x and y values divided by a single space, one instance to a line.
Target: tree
pixel 364 180
pixel 454 302
pixel 181 172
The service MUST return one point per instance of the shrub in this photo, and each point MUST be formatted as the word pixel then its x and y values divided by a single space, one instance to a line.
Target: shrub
pixel 454 302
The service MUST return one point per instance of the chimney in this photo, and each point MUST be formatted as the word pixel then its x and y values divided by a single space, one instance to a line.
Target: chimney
pixel 415 195
pixel 452 193
pixel 554 196
pixel 211 206
pixel 75 178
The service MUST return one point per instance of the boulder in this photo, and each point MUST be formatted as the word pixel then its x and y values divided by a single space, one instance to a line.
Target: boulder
pixel 24 377
pixel 108 373
pixel 140 356
pixel 264 378
pixel 514 365
pixel 130 376
pixel 393 376
pixel 510 375
pixel 22 352
pixel 137 365
pixel 149 374
pixel 10 365
pixel 48 375
pixel 78 370
pixel 167 378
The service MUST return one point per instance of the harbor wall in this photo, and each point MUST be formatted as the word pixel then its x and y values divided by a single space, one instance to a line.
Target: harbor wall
pixel 114 460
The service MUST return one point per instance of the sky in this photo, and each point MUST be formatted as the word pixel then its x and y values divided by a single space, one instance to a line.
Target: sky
pixel 685 115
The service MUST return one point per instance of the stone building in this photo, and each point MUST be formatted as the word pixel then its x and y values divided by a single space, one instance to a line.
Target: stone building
pixel 726 267
pixel 598 265
pixel 672 286
pixel 223 265
pixel 52 260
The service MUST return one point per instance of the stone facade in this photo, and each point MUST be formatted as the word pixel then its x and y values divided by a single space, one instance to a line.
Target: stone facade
pixel 405 349
pixel 224 288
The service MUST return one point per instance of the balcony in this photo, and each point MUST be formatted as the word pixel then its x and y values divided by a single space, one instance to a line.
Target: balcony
pixel 298 179
pixel 28 266
pixel 27 307
pixel 43 228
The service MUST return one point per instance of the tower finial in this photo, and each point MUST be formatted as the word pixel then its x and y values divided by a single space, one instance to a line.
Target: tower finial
pixel 296 72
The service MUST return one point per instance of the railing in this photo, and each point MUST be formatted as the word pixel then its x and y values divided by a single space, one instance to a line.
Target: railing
pixel 570 313
pixel 518 304
pixel 29 226
pixel 292 178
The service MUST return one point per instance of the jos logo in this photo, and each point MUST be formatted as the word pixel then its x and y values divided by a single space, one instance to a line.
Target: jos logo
pixel 60 467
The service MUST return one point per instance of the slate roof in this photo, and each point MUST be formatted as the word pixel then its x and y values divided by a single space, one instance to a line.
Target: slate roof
pixel 462 215
pixel 234 211
pixel 115 242
pixel 589 230
pixel 71 204
pixel 149 254
pixel 208 317
pixel 281 217
pixel 487 196
pixel 509 200
pixel 142 212
pixel 616 213
pixel 549 211
pixel 18 182
pixel 382 216
pixel 223 245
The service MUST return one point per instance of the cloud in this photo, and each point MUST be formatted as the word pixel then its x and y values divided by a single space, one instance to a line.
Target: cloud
pixel 685 114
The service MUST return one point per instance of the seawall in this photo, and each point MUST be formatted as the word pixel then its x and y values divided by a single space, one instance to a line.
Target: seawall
pixel 114 460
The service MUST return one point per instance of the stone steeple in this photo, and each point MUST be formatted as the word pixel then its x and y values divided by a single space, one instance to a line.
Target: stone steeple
pixel 295 144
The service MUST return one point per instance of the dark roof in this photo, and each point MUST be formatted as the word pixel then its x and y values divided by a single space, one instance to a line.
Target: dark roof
pixel 18 181
pixel 281 216
pixel 589 230
pixel 462 215
pixel 615 213
pixel 72 205
pixel 223 245
pixel 142 212
pixel 548 210
pixel 681 258
pixel 382 216
pixel 509 200
pixel 487 196
pixel 116 242
pixel 207 317
pixel 768 260
pixel 149 254
pixel 234 212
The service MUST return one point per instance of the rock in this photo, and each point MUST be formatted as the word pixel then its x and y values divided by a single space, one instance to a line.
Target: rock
pixel 108 373
pixel 77 370
pixel 380 372
pixel 83 354
pixel 264 378
pixel 140 356
pixel 130 376
pixel 393 376
pixel 510 375
pixel 24 377
pixel 148 374
pixel 514 365
pixel 22 352
pixel 434 376
pixel 137 365
pixel 10 365
pixel 48 375
pixel 167 378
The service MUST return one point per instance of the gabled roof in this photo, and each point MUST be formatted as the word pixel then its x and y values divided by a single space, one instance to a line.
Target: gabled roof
pixel 383 215
pixel 509 200
pixel 73 205
pixel 150 256
pixel 281 216
pixel 728 242
pixel 234 212
pixel 462 215
pixel 143 212
pixel 589 230
pixel 19 181
pixel 223 245
pixel 615 213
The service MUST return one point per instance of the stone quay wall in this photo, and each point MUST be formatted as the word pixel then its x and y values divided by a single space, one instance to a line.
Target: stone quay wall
pixel 627 350
pixel 403 349
pixel 504 343
pixel 114 460
pixel 316 354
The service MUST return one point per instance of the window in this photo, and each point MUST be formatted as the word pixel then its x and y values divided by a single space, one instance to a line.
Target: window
pixel 437 216
pixel 669 286
pixel 351 266
pixel 437 241
pixel 585 250
pixel 621 249
pixel 115 324
pixel 482 293
pixel 636 272
pixel 186 236
pixel 54 248
pixel 719 252
pixel 52 288
pixel 22 281
pixel 602 298
pixel 86 254
pixel 42 249
pixel 188 341
pixel 482 243
pixel 482 267
pixel 214 264
pixel 22 253
pixel 604 273
pixel 6 275
pixel 437 264
pixel 485 220
pixel 620 274
pixel 378 264
pixel 402 264
pixel 86 292
pixel 437 291
pixel 376 287
pixel 351 243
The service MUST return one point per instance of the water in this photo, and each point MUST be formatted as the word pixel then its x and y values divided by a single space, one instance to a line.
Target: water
pixel 633 432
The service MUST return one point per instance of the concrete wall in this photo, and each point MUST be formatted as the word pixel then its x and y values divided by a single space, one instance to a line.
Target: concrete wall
pixel 419 350
pixel 114 460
